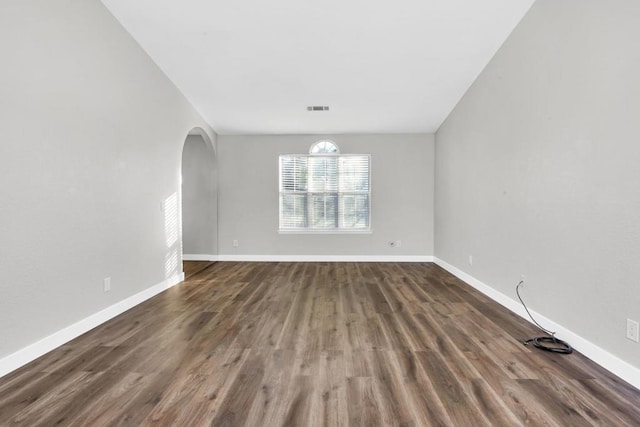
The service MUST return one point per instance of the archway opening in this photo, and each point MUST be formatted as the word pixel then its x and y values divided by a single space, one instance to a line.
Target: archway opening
pixel 199 201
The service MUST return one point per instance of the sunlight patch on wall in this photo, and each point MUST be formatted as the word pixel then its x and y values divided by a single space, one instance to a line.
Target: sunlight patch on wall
pixel 171 220
pixel 171 263
pixel 172 233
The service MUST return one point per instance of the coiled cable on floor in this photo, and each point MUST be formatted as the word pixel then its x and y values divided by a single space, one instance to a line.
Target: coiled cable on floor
pixel 557 346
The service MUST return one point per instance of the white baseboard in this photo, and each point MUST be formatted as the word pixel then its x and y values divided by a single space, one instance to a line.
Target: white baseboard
pixel 45 345
pixel 199 257
pixel 326 258
pixel 610 362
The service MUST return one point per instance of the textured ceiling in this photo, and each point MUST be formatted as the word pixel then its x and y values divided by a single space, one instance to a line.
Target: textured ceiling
pixel 253 67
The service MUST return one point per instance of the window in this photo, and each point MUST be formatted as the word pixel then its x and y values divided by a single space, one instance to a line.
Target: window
pixel 325 191
pixel 324 147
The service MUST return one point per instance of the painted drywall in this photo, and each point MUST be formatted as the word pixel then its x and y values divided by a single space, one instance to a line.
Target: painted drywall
pixel 537 170
pixel 401 199
pixel 91 143
pixel 199 198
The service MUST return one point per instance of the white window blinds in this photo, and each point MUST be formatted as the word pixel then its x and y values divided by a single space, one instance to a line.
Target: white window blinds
pixel 325 192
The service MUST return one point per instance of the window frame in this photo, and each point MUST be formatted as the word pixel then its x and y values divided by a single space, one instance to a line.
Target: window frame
pixel 333 230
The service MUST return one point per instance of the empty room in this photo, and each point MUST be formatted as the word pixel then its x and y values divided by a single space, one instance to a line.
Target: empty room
pixel 335 213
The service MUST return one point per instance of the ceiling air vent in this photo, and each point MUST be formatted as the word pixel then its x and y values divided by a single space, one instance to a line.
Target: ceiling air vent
pixel 318 108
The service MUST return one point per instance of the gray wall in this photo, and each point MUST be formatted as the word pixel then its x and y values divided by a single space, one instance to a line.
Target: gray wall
pixel 199 197
pixel 537 169
pixel 402 196
pixel 91 138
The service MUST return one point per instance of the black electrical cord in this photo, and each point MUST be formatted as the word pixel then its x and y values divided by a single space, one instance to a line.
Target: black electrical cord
pixel 558 346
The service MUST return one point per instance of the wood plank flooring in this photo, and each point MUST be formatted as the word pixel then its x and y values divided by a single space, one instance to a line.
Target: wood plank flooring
pixel 314 344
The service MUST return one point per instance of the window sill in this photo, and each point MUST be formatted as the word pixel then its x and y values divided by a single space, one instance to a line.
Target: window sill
pixel 288 231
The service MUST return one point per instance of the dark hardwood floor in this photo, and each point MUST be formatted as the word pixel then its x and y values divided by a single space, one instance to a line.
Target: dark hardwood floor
pixel 191 268
pixel 298 344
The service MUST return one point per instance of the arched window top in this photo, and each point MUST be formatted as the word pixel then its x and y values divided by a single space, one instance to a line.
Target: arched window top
pixel 324 147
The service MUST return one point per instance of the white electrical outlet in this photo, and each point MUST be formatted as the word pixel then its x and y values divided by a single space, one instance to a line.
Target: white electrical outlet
pixel 522 278
pixel 395 243
pixel 470 259
pixel 235 244
pixel 633 330
pixel 106 284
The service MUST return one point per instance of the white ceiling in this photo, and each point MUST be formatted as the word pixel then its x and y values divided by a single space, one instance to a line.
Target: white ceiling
pixel 252 67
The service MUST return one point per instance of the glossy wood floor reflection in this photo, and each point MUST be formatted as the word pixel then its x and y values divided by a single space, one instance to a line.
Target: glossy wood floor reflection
pixel 314 344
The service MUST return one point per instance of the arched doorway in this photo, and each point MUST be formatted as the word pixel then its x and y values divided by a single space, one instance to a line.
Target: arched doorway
pixel 199 198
